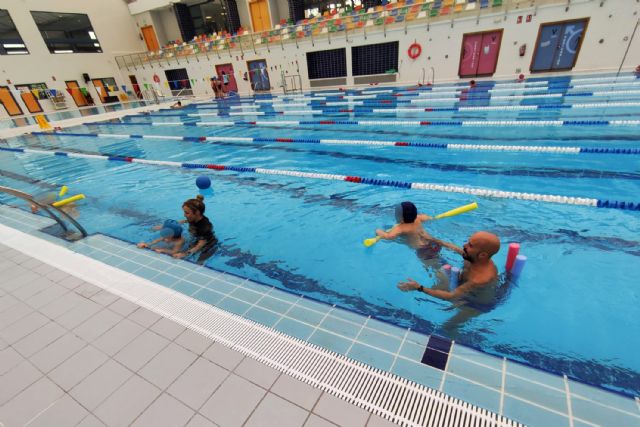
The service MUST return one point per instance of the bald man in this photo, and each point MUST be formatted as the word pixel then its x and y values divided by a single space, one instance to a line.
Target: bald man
pixel 478 278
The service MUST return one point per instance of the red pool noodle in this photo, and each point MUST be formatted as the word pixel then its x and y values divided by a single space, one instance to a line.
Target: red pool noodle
pixel 514 248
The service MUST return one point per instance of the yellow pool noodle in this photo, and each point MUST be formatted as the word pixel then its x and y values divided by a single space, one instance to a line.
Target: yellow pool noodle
pixel 63 191
pixel 71 199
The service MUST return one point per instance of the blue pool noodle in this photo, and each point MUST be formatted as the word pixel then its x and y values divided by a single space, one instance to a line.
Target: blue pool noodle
pixel 518 265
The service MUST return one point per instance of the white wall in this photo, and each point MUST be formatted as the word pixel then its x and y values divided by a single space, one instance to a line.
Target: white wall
pixel 244 15
pixel 169 25
pixel 613 22
pixel 114 28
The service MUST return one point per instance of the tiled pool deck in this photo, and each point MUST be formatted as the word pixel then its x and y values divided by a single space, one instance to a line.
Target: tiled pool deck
pixel 527 395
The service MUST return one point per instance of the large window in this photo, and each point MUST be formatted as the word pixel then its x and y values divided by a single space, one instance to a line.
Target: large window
pixel 209 17
pixel 327 64
pixel 318 7
pixel 374 59
pixel 67 32
pixel 10 41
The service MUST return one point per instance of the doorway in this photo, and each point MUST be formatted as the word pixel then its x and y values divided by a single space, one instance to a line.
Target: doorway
pixel 479 54
pixel 29 98
pixel 258 75
pixel 76 93
pixel 150 38
pixel 9 102
pixel 558 45
pixel 228 71
pixel 260 15
pixel 136 86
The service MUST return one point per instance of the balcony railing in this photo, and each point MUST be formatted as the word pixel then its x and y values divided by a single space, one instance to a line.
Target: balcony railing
pixel 344 24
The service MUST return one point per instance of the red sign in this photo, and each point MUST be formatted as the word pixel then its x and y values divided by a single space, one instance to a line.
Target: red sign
pixel 156 78
pixel 519 21
pixel 529 18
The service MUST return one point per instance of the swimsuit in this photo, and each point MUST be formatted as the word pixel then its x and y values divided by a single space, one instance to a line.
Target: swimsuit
pixel 430 250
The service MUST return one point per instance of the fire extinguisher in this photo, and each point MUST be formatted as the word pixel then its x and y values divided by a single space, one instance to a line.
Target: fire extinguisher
pixel 523 49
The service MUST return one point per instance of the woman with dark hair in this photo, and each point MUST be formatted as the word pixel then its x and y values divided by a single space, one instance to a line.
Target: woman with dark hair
pixel 201 229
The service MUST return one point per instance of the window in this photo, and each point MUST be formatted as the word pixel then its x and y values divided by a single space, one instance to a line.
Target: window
pixel 374 59
pixel 10 41
pixel 326 64
pixel 40 89
pixel 318 7
pixel 209 17
pixel 67 32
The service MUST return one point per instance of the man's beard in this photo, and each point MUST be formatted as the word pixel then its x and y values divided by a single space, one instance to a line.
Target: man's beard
pixel 467 257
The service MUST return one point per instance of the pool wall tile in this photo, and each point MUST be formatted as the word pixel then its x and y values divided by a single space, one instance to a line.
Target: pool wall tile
pixel 379 340
pixel 536 375
pixel 603 397
pixel 210 297
pixel 416 371
pixel 532 415
pixel 470 392
pixel 186 288
pixel 371 356
pixel 219 286
pixel 599 414
pixel 233 305
pixel 274 304
pixel 412 351
pixel 341 327
pixel 477 357
pixel 544 396
pixel 263 316
pixel 246 295
pixel 294 328
pixel 304 315
pixel 469 370
pixel 330 341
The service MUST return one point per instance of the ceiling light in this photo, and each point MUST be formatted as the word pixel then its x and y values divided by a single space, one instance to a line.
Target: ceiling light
pixel 92 35
pixel 17 52
pixel 63 51
pixel 13 45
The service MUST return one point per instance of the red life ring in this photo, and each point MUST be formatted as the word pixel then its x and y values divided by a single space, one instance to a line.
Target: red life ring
pixel 156 78
pixel 414 50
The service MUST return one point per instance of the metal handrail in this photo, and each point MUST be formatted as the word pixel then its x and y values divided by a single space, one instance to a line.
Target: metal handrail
pixel 29 198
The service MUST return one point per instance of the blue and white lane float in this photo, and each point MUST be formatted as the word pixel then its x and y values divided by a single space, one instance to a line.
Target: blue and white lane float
pixel 395 123
pixel 468 147
pixel 480 192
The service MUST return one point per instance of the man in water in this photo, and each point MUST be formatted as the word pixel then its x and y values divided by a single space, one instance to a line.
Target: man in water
pixel 478 278
pixel 411 230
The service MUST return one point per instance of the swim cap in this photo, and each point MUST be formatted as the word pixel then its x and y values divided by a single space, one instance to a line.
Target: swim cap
pixel 171 228
pixel 406 212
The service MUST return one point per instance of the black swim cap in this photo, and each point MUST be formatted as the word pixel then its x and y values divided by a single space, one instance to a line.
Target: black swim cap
pixel 406 212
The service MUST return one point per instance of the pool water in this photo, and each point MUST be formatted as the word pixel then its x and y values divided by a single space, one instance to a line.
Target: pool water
pixel 572 311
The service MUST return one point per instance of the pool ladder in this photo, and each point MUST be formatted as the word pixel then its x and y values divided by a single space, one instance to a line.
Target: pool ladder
pixel 52 211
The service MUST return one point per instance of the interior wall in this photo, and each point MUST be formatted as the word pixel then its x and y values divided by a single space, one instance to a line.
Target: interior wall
pixel 41 66
pixel 612 23
pixel 243 13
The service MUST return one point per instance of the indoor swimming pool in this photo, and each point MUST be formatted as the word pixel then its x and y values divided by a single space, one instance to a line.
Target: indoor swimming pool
pixel 299 181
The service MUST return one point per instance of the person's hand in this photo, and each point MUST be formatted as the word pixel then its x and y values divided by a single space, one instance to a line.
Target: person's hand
pixel 160 251
pixel 428 217
pixel 379 232
pixel 142 245
pixel 409 285
pixel 180 255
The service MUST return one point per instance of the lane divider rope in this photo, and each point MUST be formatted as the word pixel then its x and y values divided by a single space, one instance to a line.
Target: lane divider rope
pixel 467 147
pixel 480 192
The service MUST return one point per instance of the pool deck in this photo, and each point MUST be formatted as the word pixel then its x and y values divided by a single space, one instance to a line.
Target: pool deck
pixel 73 354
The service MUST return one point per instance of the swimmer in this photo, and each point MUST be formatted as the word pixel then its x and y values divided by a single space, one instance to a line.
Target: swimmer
pixel 478 278
pixel 171 240
pixel 410 228
pixel 177 105
pixel 201 229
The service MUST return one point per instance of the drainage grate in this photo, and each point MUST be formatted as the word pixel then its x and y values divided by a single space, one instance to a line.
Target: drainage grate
pixel 387 395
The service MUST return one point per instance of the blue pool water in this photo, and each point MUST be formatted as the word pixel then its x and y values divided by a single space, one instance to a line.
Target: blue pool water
pixel 573 310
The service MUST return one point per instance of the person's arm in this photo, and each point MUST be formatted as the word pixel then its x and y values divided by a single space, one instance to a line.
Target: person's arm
pixel 449 246
pixel 143 245
pixel 461 290
pixel 391 234
pixel 424 217
pixel 175 249
pixel 191 251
